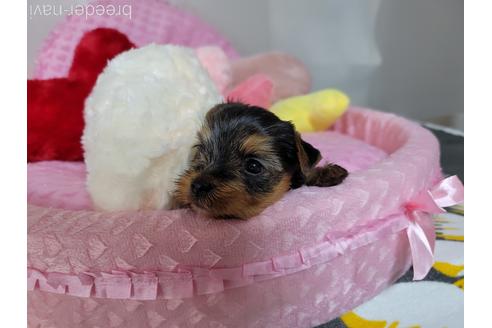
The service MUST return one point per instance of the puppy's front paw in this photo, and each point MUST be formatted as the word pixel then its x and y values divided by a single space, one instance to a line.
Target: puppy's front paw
pixel 326 176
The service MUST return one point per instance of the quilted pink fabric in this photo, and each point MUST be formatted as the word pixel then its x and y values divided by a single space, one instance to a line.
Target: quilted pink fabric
pixel 150 21
pixel 287 279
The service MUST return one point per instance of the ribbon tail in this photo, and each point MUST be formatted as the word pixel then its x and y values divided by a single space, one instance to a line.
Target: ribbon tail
pixel 422 255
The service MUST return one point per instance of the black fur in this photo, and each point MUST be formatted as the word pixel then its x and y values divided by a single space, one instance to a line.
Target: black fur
pixel 230 123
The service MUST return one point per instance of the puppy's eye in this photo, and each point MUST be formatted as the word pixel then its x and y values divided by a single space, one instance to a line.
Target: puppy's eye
pixel 253 166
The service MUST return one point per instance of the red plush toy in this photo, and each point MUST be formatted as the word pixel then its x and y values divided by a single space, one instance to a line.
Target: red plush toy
pixel 55 107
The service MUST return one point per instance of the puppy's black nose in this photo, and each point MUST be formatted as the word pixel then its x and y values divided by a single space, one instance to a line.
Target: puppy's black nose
pixel 200 187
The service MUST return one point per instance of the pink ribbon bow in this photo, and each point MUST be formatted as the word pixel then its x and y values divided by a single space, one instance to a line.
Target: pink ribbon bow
pixel 446 193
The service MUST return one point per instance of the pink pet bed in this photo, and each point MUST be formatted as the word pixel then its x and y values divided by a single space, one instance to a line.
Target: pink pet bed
pixel 313 255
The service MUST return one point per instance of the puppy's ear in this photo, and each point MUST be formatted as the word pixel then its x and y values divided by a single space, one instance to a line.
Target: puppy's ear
pixel 326 176
pixel 308 174
pixel 307 157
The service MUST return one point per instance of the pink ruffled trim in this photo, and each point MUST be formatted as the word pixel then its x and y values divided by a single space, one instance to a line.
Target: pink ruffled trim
pixel 186 282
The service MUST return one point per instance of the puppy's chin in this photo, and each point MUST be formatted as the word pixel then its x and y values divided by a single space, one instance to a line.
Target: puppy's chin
pixel 201 211
pixel 223 209
pixel 217 210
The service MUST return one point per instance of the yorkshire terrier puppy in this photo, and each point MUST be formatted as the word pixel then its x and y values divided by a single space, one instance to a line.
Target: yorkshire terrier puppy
pixel 245 159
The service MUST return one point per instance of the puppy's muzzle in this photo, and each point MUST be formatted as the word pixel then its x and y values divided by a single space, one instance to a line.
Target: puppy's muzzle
pixel 201 187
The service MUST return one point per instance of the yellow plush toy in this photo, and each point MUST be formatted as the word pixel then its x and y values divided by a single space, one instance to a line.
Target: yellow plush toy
pixel 312 112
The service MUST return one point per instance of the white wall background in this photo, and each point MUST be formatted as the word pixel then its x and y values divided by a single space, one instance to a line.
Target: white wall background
pixel 395 55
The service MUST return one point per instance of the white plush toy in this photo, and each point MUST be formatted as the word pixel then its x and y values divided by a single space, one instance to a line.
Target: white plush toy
pixel 141 120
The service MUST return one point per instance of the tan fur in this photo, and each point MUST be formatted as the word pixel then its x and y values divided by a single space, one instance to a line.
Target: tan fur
pixel 302 156
pixel 280 189
pixel 257 144
pixel 236 202
pixel 181 196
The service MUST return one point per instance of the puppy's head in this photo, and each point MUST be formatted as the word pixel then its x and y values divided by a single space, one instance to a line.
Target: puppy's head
pixel 245 159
